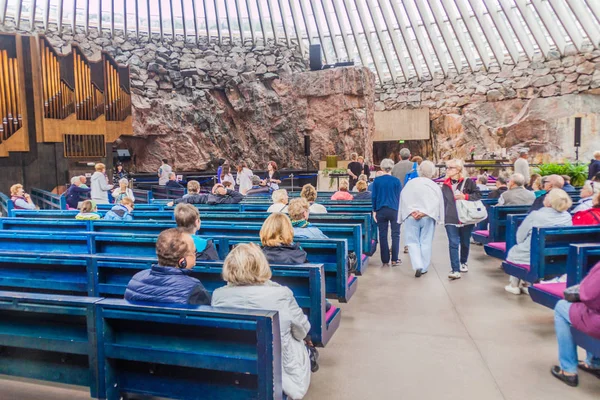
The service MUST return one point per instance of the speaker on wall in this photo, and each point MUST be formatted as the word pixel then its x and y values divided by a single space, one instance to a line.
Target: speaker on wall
pixel 577 131
pixel 306 145
pixel 315 57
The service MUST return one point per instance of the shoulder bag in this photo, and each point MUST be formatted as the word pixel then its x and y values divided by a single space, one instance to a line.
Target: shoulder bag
pixel 470 212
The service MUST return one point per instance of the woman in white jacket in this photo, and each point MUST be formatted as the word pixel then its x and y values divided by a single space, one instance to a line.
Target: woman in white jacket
pixel 99 185
pixel 248 275
pixel 244 177
pixel 122 191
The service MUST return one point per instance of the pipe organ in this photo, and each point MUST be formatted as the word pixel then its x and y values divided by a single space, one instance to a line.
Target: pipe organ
pixel 59 94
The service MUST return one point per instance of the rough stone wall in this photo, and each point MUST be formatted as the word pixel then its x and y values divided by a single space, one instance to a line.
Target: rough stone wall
pixel 530 104
pixel 196 103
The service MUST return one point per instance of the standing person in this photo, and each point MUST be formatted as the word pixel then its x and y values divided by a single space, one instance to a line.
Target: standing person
pixel 119 174
pixel 249 285
pixel 21 200
pixel 74 193
pixel 501 187
pixel 365 167
pixel 100 185
pixel 404 166
pixel 385 196
pixel 222 163
pixel 457 187
pixel 516 195
pixel 123 191
pixel 226 175
pixel 163 172
pixel 273 178
pixel 594 167
pixel 355 169
pixel 421 207
pixel 521 165
pixel 244 177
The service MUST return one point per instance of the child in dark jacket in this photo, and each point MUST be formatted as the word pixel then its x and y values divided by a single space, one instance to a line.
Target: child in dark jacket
pixel 169 281
pixel 188 219
pixel 277 237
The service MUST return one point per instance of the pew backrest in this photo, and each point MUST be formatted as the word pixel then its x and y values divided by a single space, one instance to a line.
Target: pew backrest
pixel 6 205
pixel 582 258
pixel 46 200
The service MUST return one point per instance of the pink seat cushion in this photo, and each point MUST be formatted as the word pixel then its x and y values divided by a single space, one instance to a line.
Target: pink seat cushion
pixel 364 257
pixel 330 313
pixel 524 266
pixel 498 245
pixel 482 233
pixel 556 289
pixel 350 279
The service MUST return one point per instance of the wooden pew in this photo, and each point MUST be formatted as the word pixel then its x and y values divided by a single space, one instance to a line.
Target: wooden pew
pixel 163 192
pixel 6 205
pixel 586 342
pixel 47 200
pixel 496 231
pixel 499 249
pixel 107 276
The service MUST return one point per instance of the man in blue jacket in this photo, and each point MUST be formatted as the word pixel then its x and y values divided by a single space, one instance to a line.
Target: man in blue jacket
pixel 169 281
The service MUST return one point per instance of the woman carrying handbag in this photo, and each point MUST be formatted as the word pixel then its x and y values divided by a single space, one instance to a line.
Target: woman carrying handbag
pixel 457 188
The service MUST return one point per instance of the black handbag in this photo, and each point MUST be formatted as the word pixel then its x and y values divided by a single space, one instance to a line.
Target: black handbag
pixel 572 294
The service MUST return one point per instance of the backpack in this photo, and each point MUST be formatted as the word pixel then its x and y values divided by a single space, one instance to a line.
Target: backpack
pixel 412 174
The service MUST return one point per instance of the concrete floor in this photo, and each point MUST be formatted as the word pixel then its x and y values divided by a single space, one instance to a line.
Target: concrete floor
pixel 427 338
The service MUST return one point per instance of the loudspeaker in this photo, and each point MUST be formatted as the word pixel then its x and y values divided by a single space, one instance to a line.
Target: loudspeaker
pixel 315 57
pixel 306 145
pixel 577 131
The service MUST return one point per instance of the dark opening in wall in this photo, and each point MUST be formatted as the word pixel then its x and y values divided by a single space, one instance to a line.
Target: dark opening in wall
pixel 391 149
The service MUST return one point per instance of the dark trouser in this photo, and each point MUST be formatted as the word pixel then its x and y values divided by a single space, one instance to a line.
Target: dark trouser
pixel 387 216
pixel 459 236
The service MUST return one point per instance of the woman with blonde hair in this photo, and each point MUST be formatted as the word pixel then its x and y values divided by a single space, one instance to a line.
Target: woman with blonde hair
pixel 456 187
pixel 309 193
pixel 20 199
pixel 363 193
pixel 123 191
pixel 280 201
pixel 89 211
pixel 554 213
pixel 277 238
pixel 99 185
pixel 299 211
pixel 248 276
pixel 342 193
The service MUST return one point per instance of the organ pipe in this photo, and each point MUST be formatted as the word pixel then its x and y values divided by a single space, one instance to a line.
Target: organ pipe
pixel 11 119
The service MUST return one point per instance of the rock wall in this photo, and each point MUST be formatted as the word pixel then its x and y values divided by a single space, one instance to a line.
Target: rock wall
pixel 196 103
pixel 530 104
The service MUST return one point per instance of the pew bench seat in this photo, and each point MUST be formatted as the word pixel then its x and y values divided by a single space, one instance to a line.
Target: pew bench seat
pixel 587 342
pixel 547 294
pixel 520 271
pixel 481 236
pixel 495 249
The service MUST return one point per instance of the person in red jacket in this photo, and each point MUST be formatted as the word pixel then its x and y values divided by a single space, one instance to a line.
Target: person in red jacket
pixel 585 317
pixel 590 216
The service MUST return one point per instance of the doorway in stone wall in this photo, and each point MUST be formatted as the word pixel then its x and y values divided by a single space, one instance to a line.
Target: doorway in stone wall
pixel 391 149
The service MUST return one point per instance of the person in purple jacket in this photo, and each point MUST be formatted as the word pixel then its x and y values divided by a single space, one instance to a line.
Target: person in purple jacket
pixel 585 317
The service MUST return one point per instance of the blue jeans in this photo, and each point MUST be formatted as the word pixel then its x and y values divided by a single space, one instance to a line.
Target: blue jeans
pixel 419 239
pixel 459 235
pixel 567 349
pixel 388 217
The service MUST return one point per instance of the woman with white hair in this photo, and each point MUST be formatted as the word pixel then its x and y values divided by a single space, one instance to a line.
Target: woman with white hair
pixel 457 187
pixel 421 207
pixel 385 196
pixel 122 191
pixel 554 213
pixel 588 191
pixel 74 193
pixel 280 202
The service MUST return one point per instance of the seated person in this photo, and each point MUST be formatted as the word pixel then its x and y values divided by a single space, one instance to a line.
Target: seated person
pixel 342 193
pixel 258 189
pixel 123 191
pixel 567 186
pixel 277 238
pixel 310 194
pixel 532 180
pixel 377 175
pixel 588 191
pixel 591 216
pixel 89 211
pixel 74 192
pixel 83 180
pixel 21 200
pixel 249 286
pixel 228 185
pixel 188 220
pixel 516 194
pixel 363 193
pixel 220 195
pixel 554 213
pixel 169 281
pixel 172 182
pixel 121 211
pixel 298 211
pixel 596 177
pixel 362 177
pixel 482 181
pixel 548 183
pixel 501 187
pixel 280 202
pixel 193 195
pixel 585 317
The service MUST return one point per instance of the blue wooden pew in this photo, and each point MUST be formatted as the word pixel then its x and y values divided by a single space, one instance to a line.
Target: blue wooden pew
pixel 332 253
pixel 106 276
pixel 50 338
pixel 46 200
pixel 496 229
pixel 6 205
pixel 163 192
pixel 500 249
pixel 142 196
pixel 549 251
pixel 586 342
pixel 581 259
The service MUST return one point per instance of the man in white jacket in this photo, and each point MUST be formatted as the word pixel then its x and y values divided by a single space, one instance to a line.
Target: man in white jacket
pixel 99 185
pixel 421 207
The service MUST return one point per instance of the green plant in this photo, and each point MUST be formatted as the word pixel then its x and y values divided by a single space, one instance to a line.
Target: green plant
pixel 577 171
pixel 328 171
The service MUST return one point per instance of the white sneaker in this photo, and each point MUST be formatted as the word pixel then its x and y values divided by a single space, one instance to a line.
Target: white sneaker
pixel 512 289
pixel 524 290
pixel 464 268
pixel 454 275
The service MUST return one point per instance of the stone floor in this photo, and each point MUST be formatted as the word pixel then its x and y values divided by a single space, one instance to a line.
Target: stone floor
pixel 428 338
